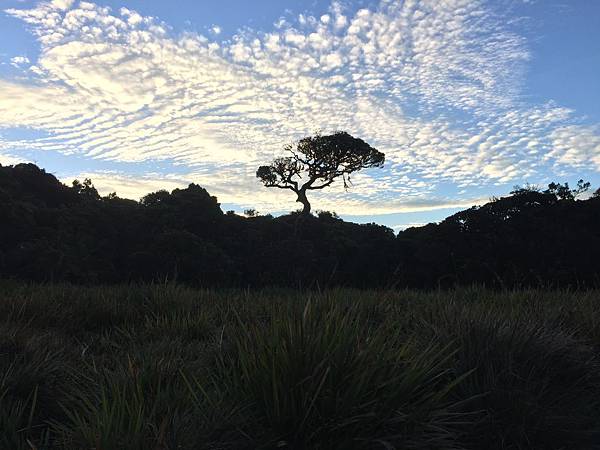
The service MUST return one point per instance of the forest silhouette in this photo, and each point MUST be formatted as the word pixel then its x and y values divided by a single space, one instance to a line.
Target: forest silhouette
pixel 53 232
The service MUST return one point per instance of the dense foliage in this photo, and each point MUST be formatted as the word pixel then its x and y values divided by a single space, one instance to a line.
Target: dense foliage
pixel 166 367
pixel 51 232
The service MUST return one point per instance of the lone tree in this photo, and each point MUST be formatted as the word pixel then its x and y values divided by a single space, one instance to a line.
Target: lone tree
pixel 319 160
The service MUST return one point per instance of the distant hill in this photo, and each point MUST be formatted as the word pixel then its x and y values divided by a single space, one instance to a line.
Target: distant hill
pixel 53 232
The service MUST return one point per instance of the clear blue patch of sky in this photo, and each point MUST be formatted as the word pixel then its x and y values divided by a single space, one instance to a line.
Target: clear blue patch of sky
pixel 16 133
pixel 564 40
pixel 230 15
pixel 15 39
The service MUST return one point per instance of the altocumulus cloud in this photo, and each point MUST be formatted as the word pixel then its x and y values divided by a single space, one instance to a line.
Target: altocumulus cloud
pixel 435 85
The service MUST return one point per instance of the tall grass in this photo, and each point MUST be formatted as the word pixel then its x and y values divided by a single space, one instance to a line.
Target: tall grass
pixel 533 386
pixel 166 367
pixel 319 378
pixel 135 406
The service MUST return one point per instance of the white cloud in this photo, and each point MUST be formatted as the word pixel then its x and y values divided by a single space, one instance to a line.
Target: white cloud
pixel 120 86
pixel 18 61
pixel 295 38
pixel 127 186
pixel 341 21
pixel 62 4
pixel 404 226
pixel 576 146
pixel 10 160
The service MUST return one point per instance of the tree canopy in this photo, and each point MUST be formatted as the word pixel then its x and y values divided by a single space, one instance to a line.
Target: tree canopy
pixel 556 190
pixel 315 162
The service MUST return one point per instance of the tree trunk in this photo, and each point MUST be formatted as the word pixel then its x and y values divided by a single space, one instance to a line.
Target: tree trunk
pixel 302 199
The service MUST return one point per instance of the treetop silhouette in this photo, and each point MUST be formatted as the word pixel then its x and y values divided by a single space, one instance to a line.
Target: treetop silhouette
pixel 555 191
pixel 564 192
pixel 319 160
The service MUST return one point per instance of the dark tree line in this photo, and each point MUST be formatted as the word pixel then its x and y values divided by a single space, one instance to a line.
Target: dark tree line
pixel 52 232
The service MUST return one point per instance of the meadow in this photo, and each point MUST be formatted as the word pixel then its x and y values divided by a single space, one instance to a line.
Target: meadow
pixel 169 367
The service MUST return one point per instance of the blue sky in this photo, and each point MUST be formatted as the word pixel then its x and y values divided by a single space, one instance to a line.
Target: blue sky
pixel 467 98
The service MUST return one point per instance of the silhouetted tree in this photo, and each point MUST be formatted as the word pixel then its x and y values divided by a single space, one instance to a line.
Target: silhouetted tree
pixel 328 215
pixel 156 198
pixel 564 192
pixel 321 159
pixel 86 189
pixel 521 190
pixel 596 193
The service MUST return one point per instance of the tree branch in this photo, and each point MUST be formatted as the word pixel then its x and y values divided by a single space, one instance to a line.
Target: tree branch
pixel 322 186
pixel 279 186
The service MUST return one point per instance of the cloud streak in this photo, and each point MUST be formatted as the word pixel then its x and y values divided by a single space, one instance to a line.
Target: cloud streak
pixel 435 85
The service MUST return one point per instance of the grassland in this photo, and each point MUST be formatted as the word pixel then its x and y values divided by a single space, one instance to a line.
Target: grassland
pixel 168 367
